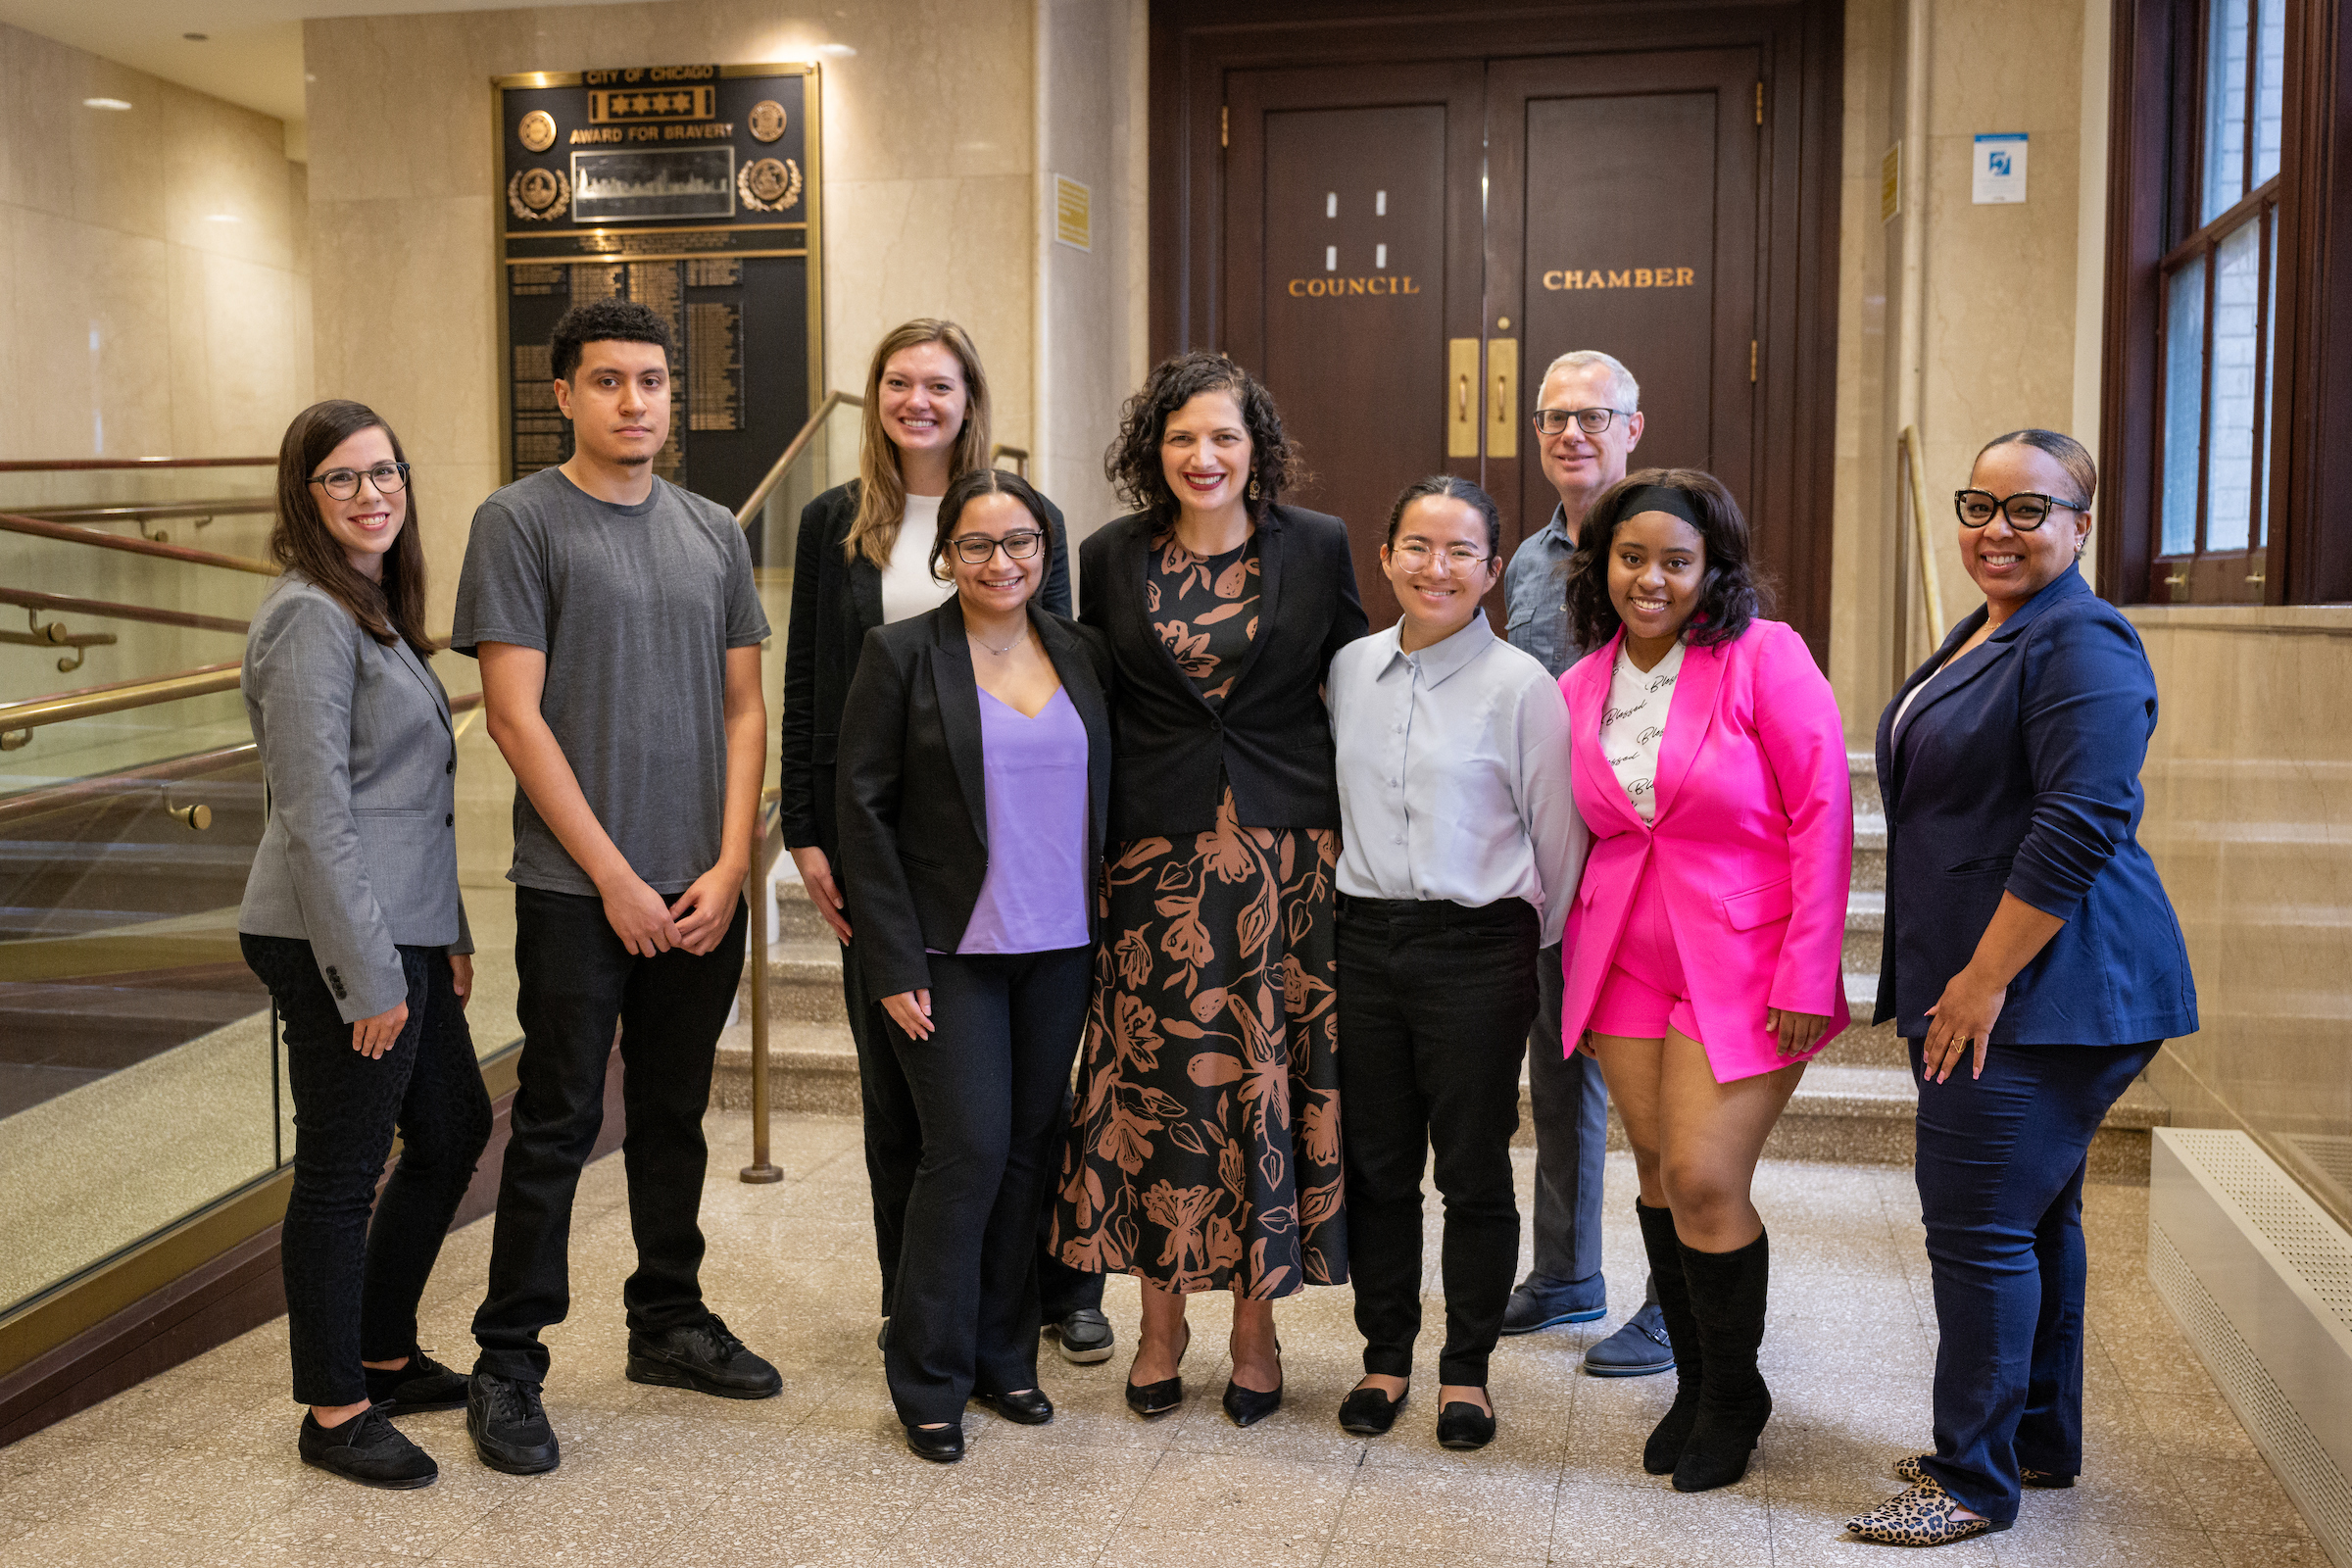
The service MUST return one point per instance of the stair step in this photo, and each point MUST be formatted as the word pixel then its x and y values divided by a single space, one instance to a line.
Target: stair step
pixel 813 1070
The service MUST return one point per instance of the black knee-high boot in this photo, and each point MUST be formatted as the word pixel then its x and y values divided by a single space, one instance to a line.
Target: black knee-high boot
pixel 1664 1449
pixel 1728 1290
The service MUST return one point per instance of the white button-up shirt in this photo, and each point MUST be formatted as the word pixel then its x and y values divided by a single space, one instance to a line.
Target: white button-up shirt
pixel 1453 765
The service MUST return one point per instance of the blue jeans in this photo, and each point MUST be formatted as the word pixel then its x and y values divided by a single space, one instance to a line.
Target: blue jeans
pixel 2000 1169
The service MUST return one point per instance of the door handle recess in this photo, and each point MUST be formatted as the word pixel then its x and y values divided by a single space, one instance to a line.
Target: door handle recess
pixel 1462 410
pixel 1503 413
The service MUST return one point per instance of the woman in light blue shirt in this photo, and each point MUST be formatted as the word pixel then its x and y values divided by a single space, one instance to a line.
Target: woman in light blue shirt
pixel 1461 847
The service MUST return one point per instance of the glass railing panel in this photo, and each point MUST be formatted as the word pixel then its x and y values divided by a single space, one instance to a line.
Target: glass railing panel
pixel 224 507
pixel 828 457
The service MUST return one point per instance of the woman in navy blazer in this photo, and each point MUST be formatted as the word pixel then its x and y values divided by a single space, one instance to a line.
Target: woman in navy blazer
pixel 2029 939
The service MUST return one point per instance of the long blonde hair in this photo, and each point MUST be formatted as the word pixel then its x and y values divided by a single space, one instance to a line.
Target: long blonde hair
pixel 881 488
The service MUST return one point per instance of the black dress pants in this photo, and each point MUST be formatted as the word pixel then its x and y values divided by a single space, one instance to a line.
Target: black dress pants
pixel 1434 1001
pixel 988 1086
pixel 351 1285
pixel 577 983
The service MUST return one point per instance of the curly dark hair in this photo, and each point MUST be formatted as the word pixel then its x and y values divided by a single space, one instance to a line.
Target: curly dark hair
pixel 1133 464
pixel 1731 594
pixel 604 322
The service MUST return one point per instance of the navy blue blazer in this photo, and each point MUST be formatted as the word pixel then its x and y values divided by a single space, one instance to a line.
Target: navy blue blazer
pixel 2019 771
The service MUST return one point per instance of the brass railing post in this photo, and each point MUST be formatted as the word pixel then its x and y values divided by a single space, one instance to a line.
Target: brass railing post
pixel 761 1169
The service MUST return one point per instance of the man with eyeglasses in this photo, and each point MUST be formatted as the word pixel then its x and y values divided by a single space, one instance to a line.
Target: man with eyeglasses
pixel 1588 422
pixel 619 632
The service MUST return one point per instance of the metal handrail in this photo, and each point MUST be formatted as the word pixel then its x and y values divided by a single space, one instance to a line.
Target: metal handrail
pixel 17 721
pixel 1930 579
pixel 1018 455
pixel 139 465
pixel 792 453
pixel 761 1169
pixel 229 507
pixel 67 605
pixel 70 533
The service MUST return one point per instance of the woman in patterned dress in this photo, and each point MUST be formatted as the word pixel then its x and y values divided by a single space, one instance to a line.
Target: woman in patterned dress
pixel 1207 1150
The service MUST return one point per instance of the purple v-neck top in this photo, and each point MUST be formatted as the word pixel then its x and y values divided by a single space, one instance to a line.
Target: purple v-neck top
pixel 1034 898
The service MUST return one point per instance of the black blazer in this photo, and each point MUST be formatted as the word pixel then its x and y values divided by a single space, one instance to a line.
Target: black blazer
pixel 835 603
pixel 1272 739
pixel 2018 771
pixel 911 797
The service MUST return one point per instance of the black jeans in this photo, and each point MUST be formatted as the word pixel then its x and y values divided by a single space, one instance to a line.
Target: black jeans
pixel 352 1287
pixel 989 1086
pixel 894 1147
pixel 577 983
pixel 1434 1000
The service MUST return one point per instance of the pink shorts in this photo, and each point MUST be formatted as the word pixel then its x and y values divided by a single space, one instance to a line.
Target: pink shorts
pixel 1645 994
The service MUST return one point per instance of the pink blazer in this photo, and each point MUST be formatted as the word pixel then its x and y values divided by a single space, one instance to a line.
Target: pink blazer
pixel 1754 842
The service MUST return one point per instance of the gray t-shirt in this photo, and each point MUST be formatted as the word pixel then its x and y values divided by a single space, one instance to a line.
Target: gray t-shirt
pixel 635 608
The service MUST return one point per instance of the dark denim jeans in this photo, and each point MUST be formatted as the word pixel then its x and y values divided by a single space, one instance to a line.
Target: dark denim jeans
pixel 351 1285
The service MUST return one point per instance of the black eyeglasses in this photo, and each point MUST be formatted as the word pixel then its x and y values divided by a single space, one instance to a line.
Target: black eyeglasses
pixel 1551 422
pixel 2026 510
pixel 974 550
pixel 343 483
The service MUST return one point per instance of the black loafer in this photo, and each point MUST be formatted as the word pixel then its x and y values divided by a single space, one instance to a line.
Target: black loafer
pixel 1369 1413
pixel 1030 1407
pixel 704 1357
pixel 423 1383
pixel 367 1448
pixel 509 1426
pixel 1463 1425
pixel 1084 1337
pixel 939 1445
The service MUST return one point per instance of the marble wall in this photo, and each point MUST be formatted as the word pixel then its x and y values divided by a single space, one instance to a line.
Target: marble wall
pixel 154 264
pixel 930 135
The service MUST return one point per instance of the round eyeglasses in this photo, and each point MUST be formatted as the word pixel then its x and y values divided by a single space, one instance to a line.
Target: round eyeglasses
pixel 2026 510
pixel 1551 422
pixel 974 550
pixel 344 483
pixel 1415 556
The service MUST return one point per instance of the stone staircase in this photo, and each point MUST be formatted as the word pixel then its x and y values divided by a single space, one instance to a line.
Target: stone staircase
pixel 1855 1106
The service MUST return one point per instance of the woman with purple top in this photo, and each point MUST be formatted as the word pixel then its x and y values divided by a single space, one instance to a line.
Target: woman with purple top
pixel 974 787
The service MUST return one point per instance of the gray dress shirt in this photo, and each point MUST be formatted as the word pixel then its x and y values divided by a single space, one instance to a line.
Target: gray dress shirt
pixel 1534 597
pixel 1454 770
pixel 361 851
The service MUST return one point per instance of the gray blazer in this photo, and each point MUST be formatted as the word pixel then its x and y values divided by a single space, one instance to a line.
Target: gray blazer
pixel 361 853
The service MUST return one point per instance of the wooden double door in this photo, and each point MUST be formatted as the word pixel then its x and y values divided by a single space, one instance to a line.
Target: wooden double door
pixel 1400 248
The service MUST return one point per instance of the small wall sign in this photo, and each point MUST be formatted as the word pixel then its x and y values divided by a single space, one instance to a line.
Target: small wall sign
pixel 2000 167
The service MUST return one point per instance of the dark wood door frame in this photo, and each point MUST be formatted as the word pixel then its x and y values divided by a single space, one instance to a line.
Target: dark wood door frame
pixel 1195 44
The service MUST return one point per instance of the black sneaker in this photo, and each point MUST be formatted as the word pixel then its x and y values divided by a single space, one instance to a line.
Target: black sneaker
pixel 1085 1336
pixel 368 1449
pixel 509 1426
pixel 424 1384
pixel 704 1357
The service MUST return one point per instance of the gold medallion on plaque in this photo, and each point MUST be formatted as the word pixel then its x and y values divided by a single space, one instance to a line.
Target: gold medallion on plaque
pixel 539 193
pixel 769 185
pixel 537 131
pixel 766 120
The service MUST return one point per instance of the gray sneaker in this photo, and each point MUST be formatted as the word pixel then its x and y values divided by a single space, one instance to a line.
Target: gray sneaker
pixel 1085 1336
pixel 1635 1350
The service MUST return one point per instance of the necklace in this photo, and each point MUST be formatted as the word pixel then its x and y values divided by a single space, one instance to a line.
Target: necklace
pixel 998 651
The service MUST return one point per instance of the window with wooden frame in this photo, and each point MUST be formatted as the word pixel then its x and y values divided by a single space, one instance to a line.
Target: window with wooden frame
pixel 2222 353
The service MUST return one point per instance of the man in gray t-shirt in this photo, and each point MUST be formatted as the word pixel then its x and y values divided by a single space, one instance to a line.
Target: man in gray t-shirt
pixel 619 634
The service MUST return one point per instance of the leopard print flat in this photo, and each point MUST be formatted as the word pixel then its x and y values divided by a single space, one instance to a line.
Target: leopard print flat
pixel 1910 1470
pixel 1927 1515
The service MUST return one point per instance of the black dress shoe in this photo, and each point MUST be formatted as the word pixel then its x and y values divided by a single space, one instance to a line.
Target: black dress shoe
pixel 1159 1399
pixel 423 1383
pixel 704 1357
pixel 1463 1425
pixel 1246 1407
pixel 1085 1336
pixel 1030 1407
pixel 939 1445
pixel 509 1426
pixel 1369 1413
pixel 369 1450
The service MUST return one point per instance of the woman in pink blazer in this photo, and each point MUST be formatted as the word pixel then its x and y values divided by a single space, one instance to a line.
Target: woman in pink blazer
pixel 1702 953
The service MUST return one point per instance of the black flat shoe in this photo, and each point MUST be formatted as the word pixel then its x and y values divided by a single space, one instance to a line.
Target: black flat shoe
pixel 1159 1399
pixel 368 1449
pixel 1030 1407
pixel 939 1445
pixel 1463 1425
pixel 1369 1413
pixel 421 1384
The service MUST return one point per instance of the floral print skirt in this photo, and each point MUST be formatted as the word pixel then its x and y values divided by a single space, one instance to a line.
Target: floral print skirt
pixel 1206 1155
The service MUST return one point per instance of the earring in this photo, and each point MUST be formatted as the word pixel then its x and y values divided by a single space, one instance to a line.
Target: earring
pixel 1254 488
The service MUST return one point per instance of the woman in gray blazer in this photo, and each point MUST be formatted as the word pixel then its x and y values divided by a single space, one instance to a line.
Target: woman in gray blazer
pixel 352 919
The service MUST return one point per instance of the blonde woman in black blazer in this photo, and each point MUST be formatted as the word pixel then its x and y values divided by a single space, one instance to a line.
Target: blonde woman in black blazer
pixel 1208 1148
pixel 975 786
pixel 857 567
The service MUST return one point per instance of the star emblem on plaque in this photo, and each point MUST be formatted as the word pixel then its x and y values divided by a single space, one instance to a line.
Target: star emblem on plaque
pixel 769 185
pixel 537 131
pixel 766 120
pixel 543 194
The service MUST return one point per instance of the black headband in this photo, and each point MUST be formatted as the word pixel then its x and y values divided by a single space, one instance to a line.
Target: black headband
pixel 1673 500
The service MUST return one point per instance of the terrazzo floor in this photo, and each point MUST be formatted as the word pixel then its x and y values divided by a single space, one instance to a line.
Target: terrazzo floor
pixel 198 1466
